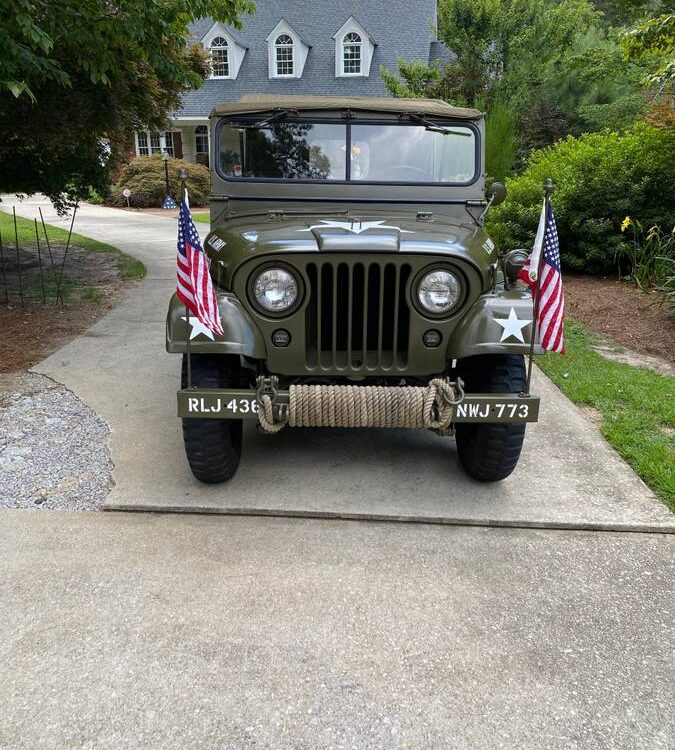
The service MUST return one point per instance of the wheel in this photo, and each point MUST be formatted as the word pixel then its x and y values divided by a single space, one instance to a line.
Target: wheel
pixel 490 452
pixel 212 446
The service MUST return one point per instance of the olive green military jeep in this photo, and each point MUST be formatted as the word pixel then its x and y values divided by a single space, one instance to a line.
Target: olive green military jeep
pixel 356 285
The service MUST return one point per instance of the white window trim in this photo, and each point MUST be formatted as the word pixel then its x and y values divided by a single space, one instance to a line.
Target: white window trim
pixel 343 44
pixel 137 147
pixel 351 25
pixel 300 51
pixel 235 51
pixel 162 142
pixel 208 141
pixel 277 46
pixel 208 138
pixel 227 49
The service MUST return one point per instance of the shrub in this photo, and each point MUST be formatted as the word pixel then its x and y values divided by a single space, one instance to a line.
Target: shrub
pixel 94 197
pixel 144 176
pixel 649 255
pixel 600 178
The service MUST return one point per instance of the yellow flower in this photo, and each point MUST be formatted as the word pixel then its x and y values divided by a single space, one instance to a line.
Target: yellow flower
pixel 626 223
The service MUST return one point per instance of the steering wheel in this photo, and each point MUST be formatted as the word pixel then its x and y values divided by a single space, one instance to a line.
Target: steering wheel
pixel 406 168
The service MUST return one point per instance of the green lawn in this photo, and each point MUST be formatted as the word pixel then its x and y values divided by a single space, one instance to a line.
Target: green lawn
pixel 203 218
pixel 129 267
pixel 637 406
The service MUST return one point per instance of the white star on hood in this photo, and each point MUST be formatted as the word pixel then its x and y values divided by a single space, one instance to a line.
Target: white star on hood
pixel 512 326
pixel 197 327
pixel 355 227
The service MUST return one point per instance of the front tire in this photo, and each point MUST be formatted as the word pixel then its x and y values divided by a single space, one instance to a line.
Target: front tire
pixel 212 446
pixel 490 452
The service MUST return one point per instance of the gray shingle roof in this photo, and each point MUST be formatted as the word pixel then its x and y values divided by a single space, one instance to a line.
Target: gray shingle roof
pixel 402 29
pixel 199 28
pixel 439 53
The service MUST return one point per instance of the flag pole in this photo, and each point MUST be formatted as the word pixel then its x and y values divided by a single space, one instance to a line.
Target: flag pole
pixel 548 190
pixel 182 175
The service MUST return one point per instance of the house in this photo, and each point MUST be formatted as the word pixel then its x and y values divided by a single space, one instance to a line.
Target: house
pixel 290 47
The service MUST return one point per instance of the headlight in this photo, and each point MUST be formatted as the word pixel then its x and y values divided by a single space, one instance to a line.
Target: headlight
pixel 439 291
pixel 275 290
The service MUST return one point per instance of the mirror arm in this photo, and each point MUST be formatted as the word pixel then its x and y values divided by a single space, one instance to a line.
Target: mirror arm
pixel 481 218
pixel 468 205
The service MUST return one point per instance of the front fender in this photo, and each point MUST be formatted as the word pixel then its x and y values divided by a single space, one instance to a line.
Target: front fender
pixel 479 332
pixel 240 333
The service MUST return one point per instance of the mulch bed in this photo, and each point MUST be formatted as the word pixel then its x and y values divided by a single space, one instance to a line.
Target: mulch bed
pixel 623 313
pixel 31 333
pixel 34 329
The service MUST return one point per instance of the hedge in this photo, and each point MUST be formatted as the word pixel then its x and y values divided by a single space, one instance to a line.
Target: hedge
pixel 600 178
pixel 144 176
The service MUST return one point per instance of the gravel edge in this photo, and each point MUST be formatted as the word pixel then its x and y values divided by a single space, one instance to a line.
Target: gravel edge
pixel 54 450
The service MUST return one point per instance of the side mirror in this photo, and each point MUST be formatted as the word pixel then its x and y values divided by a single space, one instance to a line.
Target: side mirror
pixel 513 261
pixel 497 193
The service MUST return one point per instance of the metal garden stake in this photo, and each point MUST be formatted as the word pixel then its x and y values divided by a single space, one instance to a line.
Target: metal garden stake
pixel 18 257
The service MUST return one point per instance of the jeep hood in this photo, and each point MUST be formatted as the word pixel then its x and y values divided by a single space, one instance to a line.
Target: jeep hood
pixel 246 236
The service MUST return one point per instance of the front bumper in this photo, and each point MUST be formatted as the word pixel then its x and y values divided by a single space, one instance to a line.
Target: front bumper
pixel 230 403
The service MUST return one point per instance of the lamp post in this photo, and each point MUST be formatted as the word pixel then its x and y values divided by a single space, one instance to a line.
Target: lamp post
pixel 169 202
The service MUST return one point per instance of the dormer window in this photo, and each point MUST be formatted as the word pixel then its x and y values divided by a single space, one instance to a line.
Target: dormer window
pixel 226 50
pixel 354 49
pixel 287 51
pixel 220 59
pixel 351 54
pixel 283 56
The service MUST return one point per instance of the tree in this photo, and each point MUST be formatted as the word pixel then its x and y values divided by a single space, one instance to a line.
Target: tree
pixel 557 67
pixel 651 44
pixel 415 79
pixel 503 50
pixel 621 12
pixel 593 85
pixel 504 47
pixel 77 77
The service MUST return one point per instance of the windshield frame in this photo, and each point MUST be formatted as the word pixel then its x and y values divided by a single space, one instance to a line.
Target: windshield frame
pixel 348 123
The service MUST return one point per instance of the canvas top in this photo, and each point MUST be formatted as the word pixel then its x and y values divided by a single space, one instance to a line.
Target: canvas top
pixel 259 103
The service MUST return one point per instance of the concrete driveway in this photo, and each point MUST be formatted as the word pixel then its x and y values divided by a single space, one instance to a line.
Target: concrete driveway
pixel 127 631
pixel 120 369
pixel 123 631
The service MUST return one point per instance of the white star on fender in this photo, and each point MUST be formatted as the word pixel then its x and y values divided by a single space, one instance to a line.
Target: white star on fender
pixel 197 327
pixel 356 226
pixel 512 326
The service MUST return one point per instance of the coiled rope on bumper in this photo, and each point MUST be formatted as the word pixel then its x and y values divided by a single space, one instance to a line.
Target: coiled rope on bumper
pixel 416 407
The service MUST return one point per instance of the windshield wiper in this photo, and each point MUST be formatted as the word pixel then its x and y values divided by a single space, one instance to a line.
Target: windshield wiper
pixel 428 125
pixel 278 115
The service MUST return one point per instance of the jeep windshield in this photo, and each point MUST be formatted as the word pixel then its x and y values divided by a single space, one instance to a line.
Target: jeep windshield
pixel 438 152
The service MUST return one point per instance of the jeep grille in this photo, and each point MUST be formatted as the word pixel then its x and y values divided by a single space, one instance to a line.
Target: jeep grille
pixel 357 316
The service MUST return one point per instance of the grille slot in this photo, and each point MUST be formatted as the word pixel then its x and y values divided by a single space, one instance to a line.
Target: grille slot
pixel 357 317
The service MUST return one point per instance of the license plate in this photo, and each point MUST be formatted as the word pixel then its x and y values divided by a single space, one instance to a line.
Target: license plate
pixel 497 408
pixel 218 404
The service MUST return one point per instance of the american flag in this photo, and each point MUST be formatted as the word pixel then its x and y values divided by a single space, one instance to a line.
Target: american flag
pixel 194 288
pixel 551 312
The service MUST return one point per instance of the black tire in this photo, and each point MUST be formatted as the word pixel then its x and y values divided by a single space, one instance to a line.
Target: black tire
pixel 490 452
pixel 212 446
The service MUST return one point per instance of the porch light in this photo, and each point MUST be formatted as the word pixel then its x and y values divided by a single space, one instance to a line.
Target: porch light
pixel 169 202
